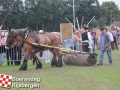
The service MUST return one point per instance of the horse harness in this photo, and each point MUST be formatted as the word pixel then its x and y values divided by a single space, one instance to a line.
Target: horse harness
pixel 37 40
pixel 24 39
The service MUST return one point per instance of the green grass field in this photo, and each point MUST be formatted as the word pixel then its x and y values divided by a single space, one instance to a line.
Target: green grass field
pixel 106 77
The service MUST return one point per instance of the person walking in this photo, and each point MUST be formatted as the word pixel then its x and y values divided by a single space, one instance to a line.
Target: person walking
pixel 104 45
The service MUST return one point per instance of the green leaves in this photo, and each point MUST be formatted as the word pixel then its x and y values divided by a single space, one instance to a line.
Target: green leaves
pixel 48 14
pixel 111 9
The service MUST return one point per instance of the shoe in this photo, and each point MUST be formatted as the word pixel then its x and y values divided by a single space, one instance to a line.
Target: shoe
pixel 99 64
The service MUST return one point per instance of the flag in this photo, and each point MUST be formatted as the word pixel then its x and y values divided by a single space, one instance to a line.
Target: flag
pixel 5 81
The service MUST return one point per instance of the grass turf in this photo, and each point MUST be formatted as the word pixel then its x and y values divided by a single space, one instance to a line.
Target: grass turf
pixel 106 77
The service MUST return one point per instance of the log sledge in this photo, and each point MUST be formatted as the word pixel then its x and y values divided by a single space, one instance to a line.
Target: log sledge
pixel 74 57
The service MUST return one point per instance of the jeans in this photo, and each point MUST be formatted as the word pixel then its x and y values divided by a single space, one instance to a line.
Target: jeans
pixel 102 56
pixel 1 58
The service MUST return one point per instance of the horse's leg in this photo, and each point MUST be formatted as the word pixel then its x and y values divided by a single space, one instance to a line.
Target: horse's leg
pixel 59 55
pixel 57 58
pixel 34 61
pixel 38 63
pixel 59 64
pixel 24 65
pixel 54 60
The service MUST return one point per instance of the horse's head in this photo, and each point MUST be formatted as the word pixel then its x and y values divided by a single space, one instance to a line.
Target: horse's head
pixel 10 38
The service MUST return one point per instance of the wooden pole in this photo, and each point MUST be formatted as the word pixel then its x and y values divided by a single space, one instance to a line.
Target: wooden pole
pixel 53 47
pixel 62 49
pixel 90 21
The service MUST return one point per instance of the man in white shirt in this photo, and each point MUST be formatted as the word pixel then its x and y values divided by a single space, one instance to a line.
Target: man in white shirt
pixel 86 38
pixel 47 56
pixel 110 35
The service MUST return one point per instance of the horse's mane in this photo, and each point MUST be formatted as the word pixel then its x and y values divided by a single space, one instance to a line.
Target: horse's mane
pixel 16 32
pixel 20 32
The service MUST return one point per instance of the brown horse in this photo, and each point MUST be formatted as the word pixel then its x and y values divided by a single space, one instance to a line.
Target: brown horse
pixel 26 38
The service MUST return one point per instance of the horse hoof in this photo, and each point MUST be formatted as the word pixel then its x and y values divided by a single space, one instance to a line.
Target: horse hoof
pixel 23 67
pixel 59 65
pixel 39 66
pixel 53 64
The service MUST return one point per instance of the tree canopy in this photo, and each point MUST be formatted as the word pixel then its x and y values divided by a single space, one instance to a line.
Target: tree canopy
pixel 48 14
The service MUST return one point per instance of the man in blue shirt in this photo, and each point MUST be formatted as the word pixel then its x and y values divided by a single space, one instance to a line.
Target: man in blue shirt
pixel 104 45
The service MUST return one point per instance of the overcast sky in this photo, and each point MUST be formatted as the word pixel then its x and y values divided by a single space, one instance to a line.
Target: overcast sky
pixel 117 2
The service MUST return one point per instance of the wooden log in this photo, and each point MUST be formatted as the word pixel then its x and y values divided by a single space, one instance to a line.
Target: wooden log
pixel 80 59
pixel 62 49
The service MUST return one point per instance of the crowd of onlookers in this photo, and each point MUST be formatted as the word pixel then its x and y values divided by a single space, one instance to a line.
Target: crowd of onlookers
pixel 86 40
pixel 89 38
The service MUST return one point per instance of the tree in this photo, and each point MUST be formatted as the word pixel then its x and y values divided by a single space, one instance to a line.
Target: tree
pixel 48 14
pixel 94 24
pixel 88 9
pixel 102 21
pixel 111 9
pixel 8 6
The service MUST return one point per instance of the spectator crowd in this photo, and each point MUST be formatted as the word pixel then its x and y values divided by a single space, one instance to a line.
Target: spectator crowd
pixel 84 40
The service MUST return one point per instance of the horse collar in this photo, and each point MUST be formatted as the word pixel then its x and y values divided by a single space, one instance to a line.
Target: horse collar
pixel 24 39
